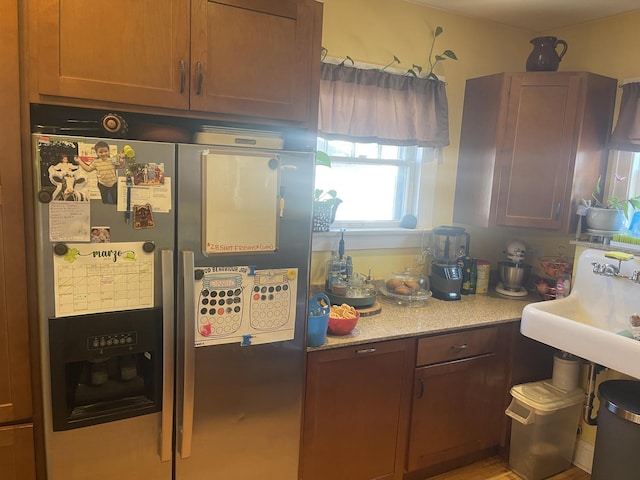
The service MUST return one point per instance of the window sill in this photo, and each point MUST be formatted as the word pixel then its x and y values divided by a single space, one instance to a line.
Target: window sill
pixel 367 239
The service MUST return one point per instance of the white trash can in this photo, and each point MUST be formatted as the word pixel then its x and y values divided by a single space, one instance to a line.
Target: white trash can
pixel 544 430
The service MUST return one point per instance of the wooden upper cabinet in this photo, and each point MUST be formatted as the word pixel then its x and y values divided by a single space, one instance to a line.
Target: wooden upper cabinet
pixel 532 147
pixel 250 58
pixel 15 360
pixel 115 51
pixel 16 427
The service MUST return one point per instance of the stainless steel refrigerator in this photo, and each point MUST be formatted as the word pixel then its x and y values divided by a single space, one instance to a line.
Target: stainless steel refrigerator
pixel 172 308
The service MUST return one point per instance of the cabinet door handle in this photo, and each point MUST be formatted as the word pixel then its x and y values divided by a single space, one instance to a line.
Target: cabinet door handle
pixel 182 76
pixel 365 350
pixel 421 391
pixel 459 348
pixel 199 78
pixel 558 210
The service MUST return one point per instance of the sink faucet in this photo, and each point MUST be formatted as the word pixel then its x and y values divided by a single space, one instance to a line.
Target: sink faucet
pixel 610 270
pixel 607 269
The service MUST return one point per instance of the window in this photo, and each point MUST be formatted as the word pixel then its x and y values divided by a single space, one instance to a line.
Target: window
pixel 634 175
pixel 625 164
pixel 378 184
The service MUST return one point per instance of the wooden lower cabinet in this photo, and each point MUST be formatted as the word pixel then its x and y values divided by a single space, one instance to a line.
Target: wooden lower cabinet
pixel 458 410
pixel 16 453
pixel 458 402
pixel 412 408
pixel 356 411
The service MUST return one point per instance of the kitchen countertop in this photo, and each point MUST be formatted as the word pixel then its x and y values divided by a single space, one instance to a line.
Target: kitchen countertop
pixel 430 317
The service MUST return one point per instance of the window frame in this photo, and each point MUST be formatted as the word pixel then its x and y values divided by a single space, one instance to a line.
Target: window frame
pixel 409 184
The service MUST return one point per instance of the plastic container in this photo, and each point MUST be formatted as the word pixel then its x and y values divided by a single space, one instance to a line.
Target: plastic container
pixel 543 433
pixel 405 283
pixel 319 308
pixel 618 436
pixel 566 371
pixel 484 269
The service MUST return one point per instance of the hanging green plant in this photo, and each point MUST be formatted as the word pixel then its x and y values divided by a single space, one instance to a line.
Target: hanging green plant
pixel 431 59
pixel 415 70
pixel 395 60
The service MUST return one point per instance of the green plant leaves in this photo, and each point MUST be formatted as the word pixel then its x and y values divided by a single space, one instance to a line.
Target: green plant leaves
pixel 450 54
pixel 323 159
pixel 321 196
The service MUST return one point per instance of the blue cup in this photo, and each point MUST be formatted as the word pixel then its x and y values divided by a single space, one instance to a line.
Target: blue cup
pixel 319 308
pixel 317 330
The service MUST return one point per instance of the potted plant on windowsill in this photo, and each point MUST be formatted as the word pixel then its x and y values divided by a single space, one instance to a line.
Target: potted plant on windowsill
pixel 609 215
pixel 325 203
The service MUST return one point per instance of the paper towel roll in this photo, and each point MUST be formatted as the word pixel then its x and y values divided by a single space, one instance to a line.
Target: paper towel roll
pixel 566 371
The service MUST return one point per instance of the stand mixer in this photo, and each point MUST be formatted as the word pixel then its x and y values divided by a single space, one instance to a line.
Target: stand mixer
pixel 514 273
pixel 450 245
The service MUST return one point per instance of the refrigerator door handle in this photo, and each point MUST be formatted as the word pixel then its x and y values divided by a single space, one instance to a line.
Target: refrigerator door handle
pixel 168 365
pixel 186 369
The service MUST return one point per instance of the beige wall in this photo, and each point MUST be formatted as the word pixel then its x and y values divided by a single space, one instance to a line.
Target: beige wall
pixel 372 31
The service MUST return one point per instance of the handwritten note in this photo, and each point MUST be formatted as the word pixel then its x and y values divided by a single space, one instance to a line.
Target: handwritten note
pixel 69 221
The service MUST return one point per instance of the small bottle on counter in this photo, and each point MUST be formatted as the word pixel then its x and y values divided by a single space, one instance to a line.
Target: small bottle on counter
pixel 473 276
pixel 349 267
pixel 333 271
pixel 466 276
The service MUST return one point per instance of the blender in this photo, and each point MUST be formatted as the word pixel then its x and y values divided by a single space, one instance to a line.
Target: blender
pixel 514 272
pixel 450 245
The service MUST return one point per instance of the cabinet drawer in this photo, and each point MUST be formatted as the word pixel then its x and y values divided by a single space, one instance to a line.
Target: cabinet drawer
pixel 452 346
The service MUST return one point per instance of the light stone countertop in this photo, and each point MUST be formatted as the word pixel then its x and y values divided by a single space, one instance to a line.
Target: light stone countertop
pixel 430 317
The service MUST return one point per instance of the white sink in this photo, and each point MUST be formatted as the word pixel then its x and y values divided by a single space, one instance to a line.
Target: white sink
pixel 593 321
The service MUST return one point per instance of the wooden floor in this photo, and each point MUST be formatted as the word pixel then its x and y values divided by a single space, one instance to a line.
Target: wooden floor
pixel 495 469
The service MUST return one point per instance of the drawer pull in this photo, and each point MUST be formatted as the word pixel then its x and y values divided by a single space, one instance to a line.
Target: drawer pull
pixel 459 348
pixel 365 350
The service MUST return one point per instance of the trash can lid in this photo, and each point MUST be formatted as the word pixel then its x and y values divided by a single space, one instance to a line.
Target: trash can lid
pixel 545 397
pixel 622 398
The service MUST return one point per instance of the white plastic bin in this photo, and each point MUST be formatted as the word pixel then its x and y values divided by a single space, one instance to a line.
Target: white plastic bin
pixel 543 433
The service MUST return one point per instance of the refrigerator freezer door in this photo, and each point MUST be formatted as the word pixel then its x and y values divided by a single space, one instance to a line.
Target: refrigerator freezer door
pixel 247 400
pixel 136 447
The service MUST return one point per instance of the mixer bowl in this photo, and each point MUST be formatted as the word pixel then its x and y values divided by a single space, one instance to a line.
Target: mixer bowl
pixel 513 275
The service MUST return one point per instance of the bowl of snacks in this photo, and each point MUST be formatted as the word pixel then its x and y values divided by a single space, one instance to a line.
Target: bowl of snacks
pixel 342 319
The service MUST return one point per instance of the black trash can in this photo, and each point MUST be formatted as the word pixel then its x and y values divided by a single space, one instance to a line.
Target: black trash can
pixel 617 450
